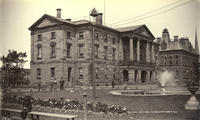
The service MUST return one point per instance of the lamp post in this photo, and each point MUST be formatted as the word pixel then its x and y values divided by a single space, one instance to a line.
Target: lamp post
pixel 85 105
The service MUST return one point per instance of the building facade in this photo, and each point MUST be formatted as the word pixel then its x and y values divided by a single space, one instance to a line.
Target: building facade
pixel 72 50
pixel 179 57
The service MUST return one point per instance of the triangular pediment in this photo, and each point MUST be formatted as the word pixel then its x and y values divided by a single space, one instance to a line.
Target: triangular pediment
pixel 144 31
pixel 45 20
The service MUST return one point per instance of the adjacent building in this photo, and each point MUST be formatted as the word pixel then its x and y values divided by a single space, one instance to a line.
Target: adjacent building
pixel 179 57
pixel 80 51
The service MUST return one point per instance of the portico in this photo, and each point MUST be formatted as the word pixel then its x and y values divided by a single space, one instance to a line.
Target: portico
pixel 138 58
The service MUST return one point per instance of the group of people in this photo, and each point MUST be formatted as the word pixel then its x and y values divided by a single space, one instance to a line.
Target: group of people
pixel 53 84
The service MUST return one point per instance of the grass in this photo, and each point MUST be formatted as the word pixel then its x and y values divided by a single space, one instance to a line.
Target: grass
pixel 139 105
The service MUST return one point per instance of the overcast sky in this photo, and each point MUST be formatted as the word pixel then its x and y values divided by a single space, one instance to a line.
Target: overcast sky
pixel 18 15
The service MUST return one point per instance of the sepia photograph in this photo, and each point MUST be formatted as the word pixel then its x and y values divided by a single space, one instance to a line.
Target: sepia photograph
pixel 99 59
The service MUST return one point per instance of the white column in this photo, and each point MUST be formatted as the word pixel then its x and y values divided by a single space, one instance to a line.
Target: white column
pixel 153 77
pixel 138 77
pixel 138 50
pixel 131 48
pixel 148 77
pixel 121 49
pixel 147 52
pixel 153 53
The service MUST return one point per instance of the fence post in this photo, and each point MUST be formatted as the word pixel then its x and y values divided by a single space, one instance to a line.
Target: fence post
pixel 85 105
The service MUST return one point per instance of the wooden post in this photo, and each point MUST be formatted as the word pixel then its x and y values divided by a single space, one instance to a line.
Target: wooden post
pixel 85 105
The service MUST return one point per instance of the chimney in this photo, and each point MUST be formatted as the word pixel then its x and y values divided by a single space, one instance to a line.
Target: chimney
pixel 68 20
pixel 176 38
pixel 58 13
pixel 99 18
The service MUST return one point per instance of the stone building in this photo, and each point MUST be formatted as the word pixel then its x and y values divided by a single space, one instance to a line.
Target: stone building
pixel 179 57
pixel 65 48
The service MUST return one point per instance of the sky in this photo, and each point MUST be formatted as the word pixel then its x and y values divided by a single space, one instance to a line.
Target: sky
pixel 18 15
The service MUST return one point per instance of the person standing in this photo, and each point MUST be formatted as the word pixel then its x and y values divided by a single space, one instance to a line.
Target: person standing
pixel 39 84
pixel 113 84
pixel 62 83
pixel 55 84
pixel 52 83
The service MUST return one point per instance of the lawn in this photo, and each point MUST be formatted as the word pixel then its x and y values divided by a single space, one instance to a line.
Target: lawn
pixel 169 107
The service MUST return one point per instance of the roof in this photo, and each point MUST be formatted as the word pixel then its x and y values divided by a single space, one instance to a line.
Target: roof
pixel 177 45
pixel 94 12
pixel 82 22
pixel 134 28
pixel 129 28
pixel 60 20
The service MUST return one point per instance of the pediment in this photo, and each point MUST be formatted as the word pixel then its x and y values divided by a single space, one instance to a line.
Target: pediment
pixel 143 31
pixel 46 22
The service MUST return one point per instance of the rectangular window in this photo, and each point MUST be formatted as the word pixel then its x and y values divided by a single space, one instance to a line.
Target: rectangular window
pixel 68 34
pixel 38 73
pixel 52 72
pixel 113 53
pixel 39 37
pixel 97 70
pixel 105 38
pixel 39 51
pixel 114 72
pixel 80 50
pixel 81 35
pixel 80 72
pixel 53 51
pixel 96 51
pixel 53 35
pixel 113 40
pixel 69 50
pixel 96 36
pixel 105 52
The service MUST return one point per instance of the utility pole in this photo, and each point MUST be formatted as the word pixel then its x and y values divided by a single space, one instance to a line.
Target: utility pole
pixel 93 67
pixel 94 14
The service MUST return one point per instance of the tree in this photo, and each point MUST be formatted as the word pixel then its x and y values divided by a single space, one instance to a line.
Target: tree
pixel 12 68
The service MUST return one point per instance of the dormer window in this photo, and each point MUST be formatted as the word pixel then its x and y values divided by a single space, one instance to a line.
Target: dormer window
pixel 53 35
